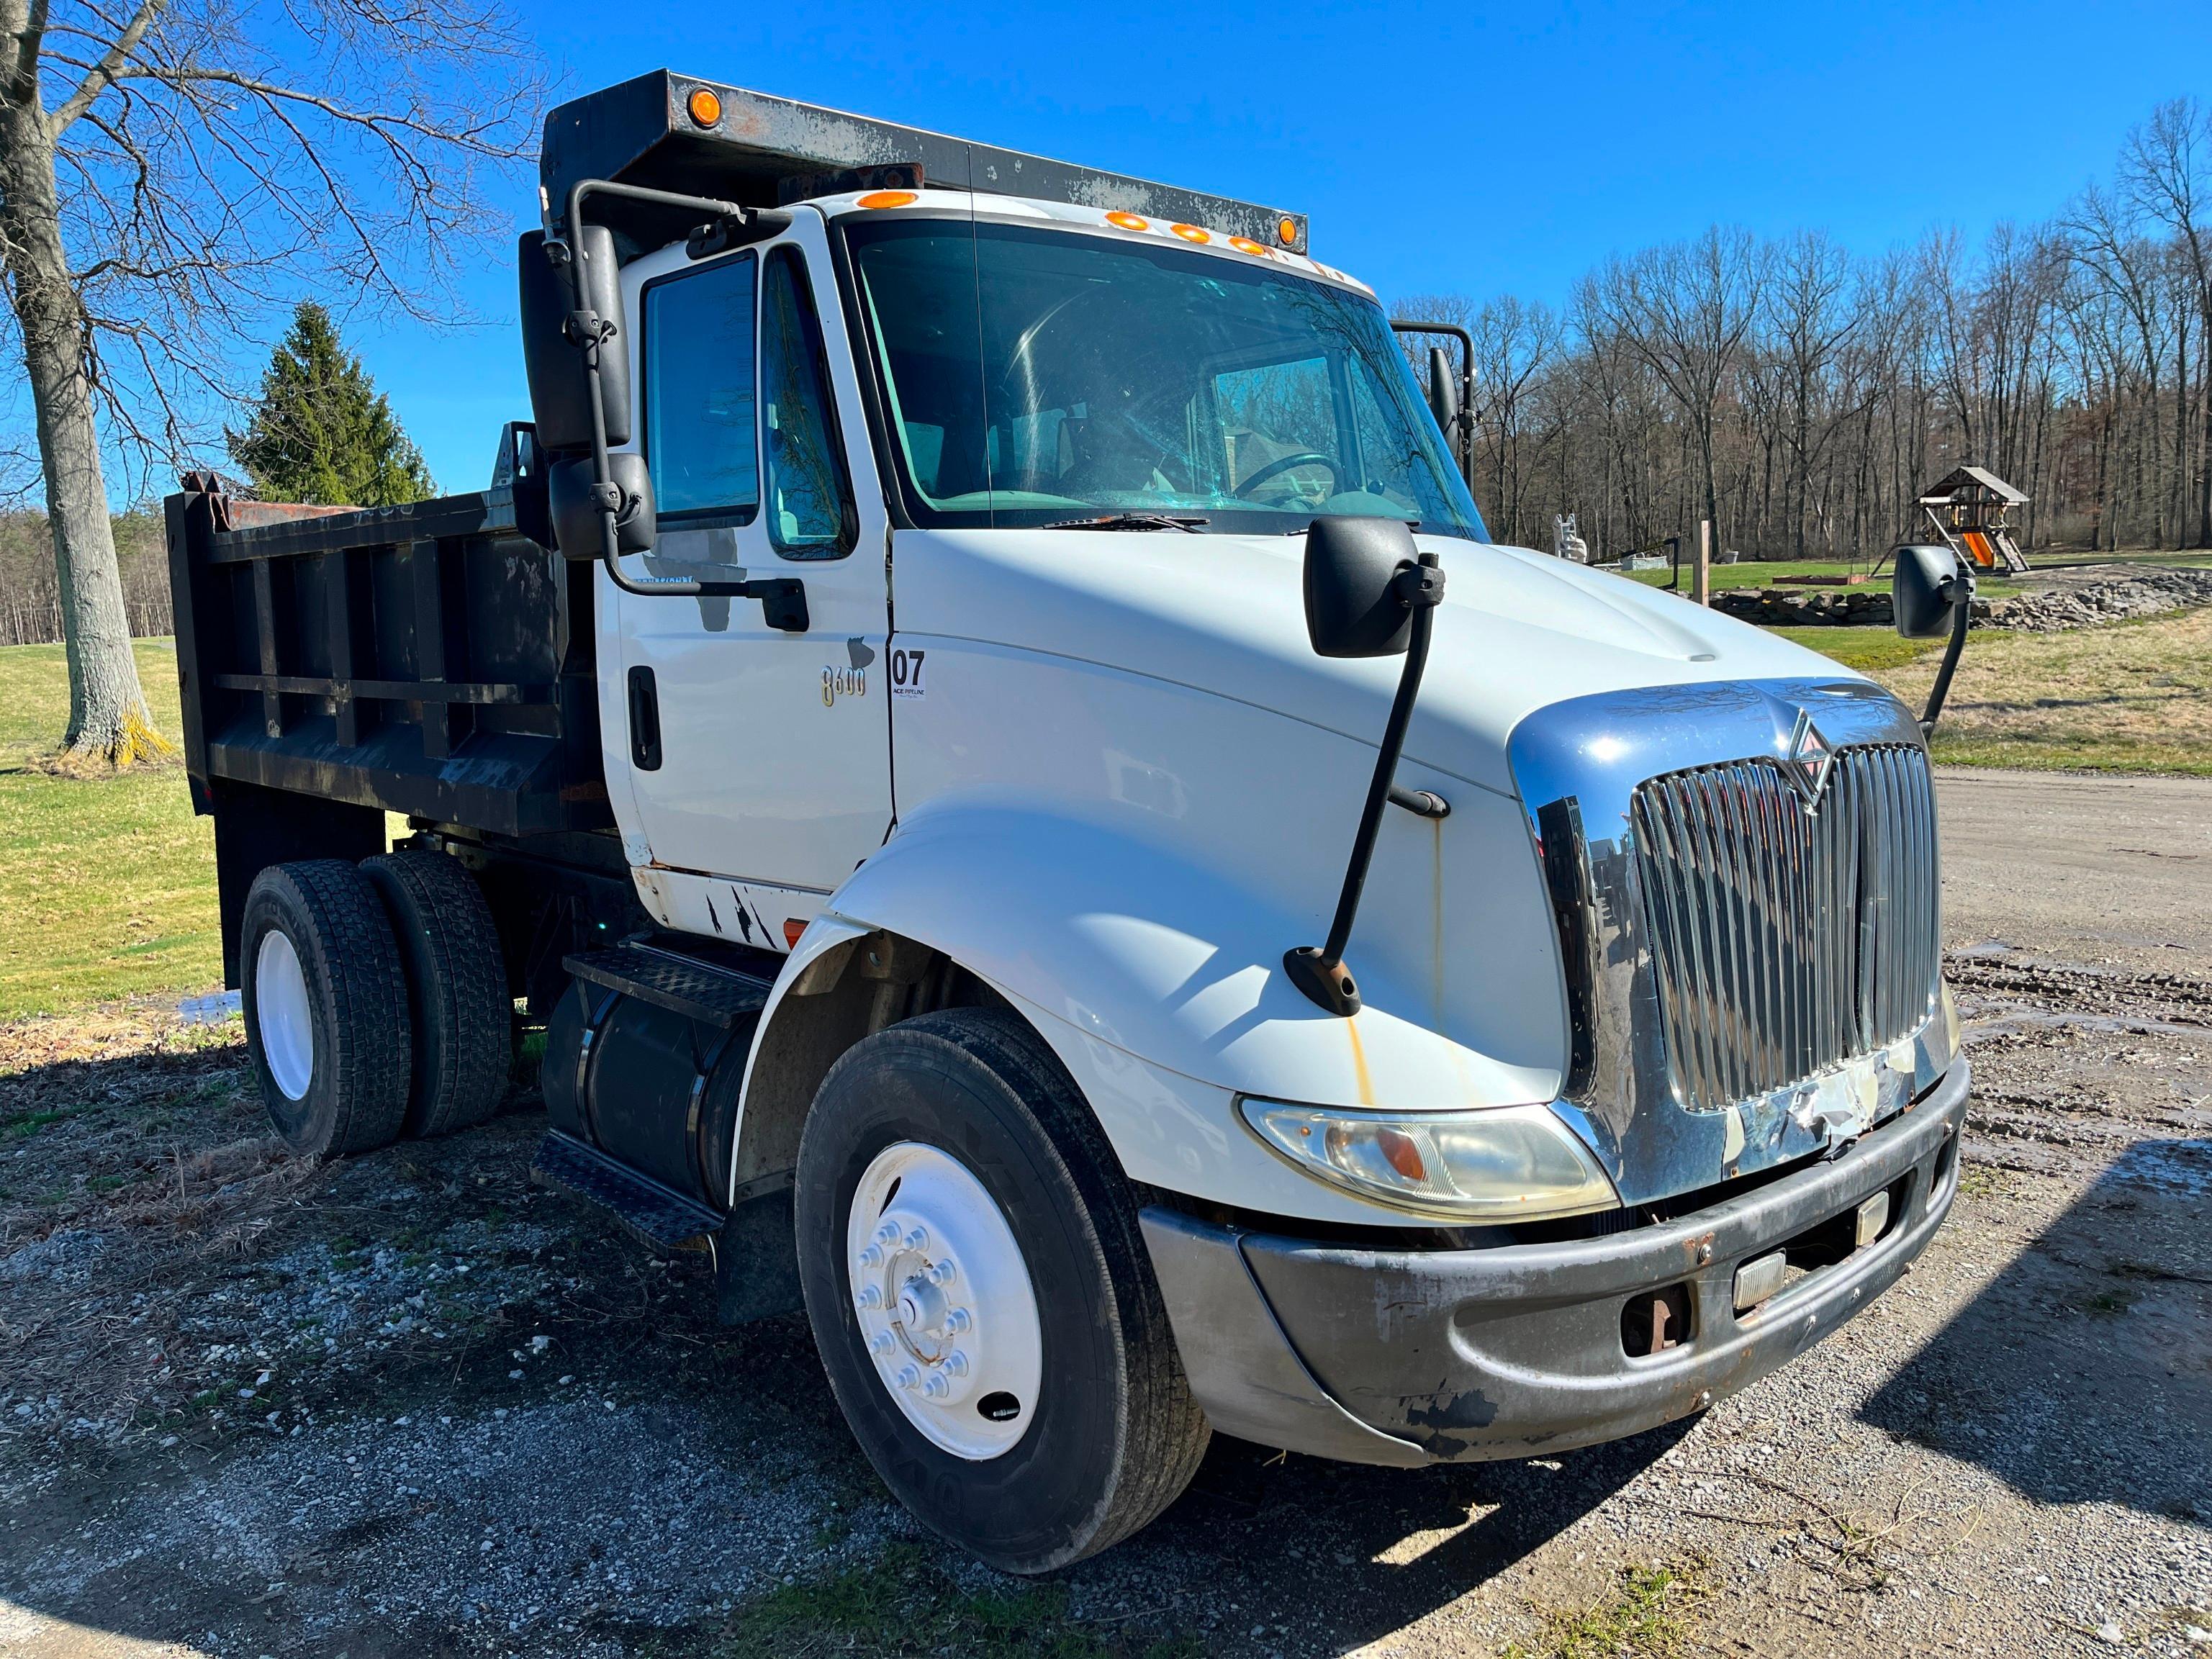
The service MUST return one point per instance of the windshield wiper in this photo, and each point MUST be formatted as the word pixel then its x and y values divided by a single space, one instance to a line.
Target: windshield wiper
pixel 1131 521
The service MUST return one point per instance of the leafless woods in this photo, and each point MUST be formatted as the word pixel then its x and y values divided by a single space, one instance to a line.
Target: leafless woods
pixel 1803 396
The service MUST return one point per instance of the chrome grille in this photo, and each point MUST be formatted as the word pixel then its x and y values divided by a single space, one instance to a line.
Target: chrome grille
pixel 1785 943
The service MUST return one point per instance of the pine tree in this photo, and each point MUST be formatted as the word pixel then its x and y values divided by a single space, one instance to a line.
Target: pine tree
pixel 321 432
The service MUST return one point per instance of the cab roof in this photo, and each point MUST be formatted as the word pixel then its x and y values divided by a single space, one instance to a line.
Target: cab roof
pixel 760 151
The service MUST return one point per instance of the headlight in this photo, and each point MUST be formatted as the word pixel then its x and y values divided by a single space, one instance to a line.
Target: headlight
pixel 1503 1164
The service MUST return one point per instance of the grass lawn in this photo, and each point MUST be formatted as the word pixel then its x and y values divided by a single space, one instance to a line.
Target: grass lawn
pixel 1757 575
pixel 106 885
pixel 2133 696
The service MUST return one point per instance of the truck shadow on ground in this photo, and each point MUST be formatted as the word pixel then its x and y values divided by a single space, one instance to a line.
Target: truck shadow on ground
pixel 1391 1546
pixel 2083 1372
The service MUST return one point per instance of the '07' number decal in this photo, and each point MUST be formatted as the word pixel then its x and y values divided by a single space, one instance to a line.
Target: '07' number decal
pixel 905 674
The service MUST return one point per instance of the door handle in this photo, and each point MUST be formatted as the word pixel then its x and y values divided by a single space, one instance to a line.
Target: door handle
pixel 644 721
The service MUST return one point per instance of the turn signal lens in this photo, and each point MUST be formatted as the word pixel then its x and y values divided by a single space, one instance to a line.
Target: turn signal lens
pixel 792 927
pixel 705 107
pixel 1191 232
pixel 884 198
pixel 1506 1163
pixel 1128 221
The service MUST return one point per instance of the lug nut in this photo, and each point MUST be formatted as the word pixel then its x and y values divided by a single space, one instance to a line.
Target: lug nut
pixel 937 1387
pixel 870 1297
pixel 955 1363
pixel 881 1344
pixel 908 1377
pixel 872 1256
pixel 941 1273
pixel 917 1238
pixel 958 1320
pixel 888 1233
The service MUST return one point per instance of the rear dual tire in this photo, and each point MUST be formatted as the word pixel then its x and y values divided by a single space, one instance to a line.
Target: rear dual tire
pixel 374 999
pixel 326 1007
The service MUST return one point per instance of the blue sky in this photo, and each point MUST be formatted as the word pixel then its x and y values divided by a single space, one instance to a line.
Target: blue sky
pixel 1437 148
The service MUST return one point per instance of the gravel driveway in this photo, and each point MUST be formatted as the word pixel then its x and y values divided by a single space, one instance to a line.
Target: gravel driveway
pixel 409 1405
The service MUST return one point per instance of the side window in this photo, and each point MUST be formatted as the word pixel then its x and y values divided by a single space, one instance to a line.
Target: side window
pixel 699 436
pixel 809 498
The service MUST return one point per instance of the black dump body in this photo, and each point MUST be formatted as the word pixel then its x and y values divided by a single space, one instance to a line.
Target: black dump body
pixel 433 660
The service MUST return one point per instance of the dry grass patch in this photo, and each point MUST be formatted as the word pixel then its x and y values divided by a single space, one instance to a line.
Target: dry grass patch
pixel 2136 696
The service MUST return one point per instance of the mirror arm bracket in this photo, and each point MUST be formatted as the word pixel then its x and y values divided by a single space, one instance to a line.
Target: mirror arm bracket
pixel 1320 972
pixel 1962 614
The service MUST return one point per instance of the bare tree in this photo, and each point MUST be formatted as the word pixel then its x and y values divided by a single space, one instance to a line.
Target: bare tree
pixel 171 171
pixel 2167 172
pixel 1684 309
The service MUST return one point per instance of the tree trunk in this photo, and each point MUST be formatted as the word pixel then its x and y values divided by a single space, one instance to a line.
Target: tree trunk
pixel 108 719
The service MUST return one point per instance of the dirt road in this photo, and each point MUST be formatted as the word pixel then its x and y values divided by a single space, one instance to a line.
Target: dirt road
pixel 408 1406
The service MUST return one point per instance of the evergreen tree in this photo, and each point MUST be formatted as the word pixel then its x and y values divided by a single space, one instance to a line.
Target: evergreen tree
pixel 321 432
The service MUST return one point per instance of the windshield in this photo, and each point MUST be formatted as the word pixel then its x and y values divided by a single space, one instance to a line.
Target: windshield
pixel 1036 376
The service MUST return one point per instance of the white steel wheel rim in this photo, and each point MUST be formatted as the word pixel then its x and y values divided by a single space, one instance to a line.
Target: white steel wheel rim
pixel 945 1306
pixel 281 1015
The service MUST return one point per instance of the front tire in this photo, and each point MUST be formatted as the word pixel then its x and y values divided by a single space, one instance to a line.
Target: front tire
pixel 963 1128
pixel 326 1007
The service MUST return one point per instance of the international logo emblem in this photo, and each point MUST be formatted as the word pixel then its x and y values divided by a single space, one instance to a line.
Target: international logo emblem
pixel 1809 762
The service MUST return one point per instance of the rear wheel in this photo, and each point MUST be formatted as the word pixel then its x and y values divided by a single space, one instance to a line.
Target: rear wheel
pixel 980 1292
pixel 326 1007
pixel 456 1000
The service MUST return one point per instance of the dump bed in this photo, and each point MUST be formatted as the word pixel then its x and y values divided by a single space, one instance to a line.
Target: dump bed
pixel 433 660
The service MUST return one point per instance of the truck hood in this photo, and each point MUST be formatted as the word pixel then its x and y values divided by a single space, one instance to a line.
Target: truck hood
pixel 1518 630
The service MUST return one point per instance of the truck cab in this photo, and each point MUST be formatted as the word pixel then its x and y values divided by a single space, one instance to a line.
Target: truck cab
pixel 991 618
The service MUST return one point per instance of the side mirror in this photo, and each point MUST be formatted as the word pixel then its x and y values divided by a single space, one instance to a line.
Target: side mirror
pixel 1927 590
pixel 576 510
pixel 560 392
pixel 1443 390
pixel 1355 606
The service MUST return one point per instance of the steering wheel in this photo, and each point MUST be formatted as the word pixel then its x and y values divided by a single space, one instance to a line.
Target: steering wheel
pixel 1281 464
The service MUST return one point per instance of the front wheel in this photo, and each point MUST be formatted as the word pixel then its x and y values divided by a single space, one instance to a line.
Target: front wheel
pixel 980 1292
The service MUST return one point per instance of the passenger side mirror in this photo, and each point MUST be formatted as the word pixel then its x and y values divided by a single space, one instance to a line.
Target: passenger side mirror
pixel 575 508
pixel 1354 604
pixel 1443 390
pixel 560 392
pixel 1927 590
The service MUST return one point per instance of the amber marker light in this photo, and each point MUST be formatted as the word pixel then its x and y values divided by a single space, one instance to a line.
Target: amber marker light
pixel 705 107
pixel 1128 221
pixel 1286 232
pixel 793 927
pixel 1191 233
pixel 1246 245
pixel 882 199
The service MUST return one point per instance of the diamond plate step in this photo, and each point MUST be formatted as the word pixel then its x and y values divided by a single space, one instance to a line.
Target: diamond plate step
pixel 703 991
pixel 664 1219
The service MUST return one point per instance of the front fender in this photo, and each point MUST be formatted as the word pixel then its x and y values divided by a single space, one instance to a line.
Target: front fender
pixel 1160 986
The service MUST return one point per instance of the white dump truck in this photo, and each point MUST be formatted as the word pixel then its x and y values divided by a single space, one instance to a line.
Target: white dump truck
pixel 983 721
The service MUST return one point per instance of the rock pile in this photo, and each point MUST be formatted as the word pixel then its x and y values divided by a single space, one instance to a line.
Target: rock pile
pixel 2127 591
pixel 2139 592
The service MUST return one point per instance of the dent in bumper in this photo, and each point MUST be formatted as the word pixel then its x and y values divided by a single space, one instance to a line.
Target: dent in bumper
pixel 1398 1357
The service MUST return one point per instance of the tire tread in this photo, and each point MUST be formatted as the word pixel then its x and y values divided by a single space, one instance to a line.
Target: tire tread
pixel 464 1033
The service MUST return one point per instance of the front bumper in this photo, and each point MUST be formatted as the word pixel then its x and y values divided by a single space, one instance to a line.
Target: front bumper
pixel 1411 1357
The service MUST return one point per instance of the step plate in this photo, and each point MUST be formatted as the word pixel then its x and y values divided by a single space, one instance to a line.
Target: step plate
pixel 667 1220
pixel 720 996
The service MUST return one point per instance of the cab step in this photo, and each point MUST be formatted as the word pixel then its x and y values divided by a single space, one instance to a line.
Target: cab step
pixel 704 991
pixel 666 1219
